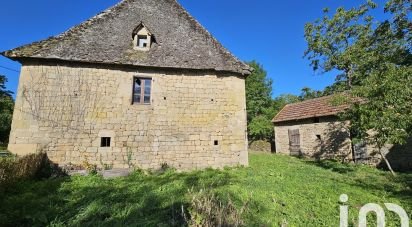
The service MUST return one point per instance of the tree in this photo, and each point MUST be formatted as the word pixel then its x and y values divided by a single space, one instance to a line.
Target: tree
pixel 282 100
pixel 309 93
pixel 6 110
pixel 260 110
pixel 374 58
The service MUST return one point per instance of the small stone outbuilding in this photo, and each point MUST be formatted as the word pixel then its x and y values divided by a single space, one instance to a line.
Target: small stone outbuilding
pixel 312 128
pixel 141 84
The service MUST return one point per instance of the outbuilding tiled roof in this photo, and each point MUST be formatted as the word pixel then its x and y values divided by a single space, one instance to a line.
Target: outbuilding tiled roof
pixel 180 41
pixel 318 107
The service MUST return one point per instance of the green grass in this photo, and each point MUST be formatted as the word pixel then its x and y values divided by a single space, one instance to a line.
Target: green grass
pixel 279 189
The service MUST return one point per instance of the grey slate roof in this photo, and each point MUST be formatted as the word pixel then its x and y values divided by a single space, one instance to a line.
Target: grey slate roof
pixel 181 42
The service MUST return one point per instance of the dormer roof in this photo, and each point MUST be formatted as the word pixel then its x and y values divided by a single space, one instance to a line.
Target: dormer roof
pixel 139 27
pixel 181 42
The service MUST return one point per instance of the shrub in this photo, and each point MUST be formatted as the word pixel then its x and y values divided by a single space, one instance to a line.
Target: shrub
pixel 33 166
pixel 207 210
pixel 90 168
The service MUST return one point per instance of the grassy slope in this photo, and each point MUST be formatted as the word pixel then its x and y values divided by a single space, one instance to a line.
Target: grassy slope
pixel 278 189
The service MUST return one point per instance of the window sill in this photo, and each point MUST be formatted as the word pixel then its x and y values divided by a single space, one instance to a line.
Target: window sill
pixel 140 104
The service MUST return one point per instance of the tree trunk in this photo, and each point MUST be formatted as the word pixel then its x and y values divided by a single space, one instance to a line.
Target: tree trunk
pixel 387 162
pixel 349 77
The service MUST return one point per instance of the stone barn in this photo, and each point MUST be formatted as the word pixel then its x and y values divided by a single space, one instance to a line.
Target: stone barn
pixel 141 84
pixel 312 128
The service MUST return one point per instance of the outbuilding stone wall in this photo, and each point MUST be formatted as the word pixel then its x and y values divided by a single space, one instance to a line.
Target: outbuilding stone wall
pixel 328 138
pixel 195 120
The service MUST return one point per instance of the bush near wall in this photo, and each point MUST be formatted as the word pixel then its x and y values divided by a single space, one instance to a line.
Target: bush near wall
pixel 261 146
pixel 33 166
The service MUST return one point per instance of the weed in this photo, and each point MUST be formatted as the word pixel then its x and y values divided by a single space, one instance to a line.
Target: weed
pixel 206 209
pixel 129 157
pixel 104 165
pixel 90 168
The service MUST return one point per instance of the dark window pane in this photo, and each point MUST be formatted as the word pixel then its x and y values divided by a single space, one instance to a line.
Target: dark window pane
pixel 137 90
pixel 147 91
pixel 147 87
pixel 146 99
pixel 136 98
pixel 137 86
pixel 148 83
pixel 105 142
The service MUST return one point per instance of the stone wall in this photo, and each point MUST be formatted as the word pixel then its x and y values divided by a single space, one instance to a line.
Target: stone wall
pixel 261 146
pixel 327 139
pixel 195 120
pixel 399 156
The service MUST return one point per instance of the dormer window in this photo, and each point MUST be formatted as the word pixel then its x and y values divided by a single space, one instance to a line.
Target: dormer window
pixel 142 38
pixel 142 41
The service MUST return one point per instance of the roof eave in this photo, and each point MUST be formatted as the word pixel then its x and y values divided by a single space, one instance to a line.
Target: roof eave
pixel 9 54
pixel 304 118
pixel 22 58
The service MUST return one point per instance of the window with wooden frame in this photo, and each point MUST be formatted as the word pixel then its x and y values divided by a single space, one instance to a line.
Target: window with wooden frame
pixel 142 89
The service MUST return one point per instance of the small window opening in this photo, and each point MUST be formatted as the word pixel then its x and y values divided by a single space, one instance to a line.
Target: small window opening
pixel 105 142
pixel 142 41
pixel 216 142
pixel 164 98
pixel 316 120
pixel 319 137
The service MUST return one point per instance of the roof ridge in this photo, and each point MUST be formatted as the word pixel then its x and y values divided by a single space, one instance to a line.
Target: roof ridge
pixel 82 42
pixel 310 100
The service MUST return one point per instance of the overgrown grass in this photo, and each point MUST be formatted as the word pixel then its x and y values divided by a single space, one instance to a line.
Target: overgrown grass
pixel 278 189
pixel 14 169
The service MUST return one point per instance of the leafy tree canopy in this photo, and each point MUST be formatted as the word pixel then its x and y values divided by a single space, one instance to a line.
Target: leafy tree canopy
pixel 6 110
pixel 259 103
pixel 374 58
pixel 261 107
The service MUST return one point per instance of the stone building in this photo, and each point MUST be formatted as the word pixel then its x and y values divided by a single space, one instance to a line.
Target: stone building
pixel 141 84
pixel 313 129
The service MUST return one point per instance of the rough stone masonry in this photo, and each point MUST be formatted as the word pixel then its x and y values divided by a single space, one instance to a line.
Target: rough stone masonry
pixel 194 120
pixel 77 91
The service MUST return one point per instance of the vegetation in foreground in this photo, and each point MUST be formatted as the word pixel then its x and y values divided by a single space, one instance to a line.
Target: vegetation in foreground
pixel 274 190
pixel 6 111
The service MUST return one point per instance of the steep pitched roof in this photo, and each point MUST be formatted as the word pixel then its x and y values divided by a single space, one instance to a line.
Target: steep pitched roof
pixel 181 42
pixel 318 107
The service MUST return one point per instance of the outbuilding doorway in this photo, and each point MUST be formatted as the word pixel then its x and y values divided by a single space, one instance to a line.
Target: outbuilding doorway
pixel 294 142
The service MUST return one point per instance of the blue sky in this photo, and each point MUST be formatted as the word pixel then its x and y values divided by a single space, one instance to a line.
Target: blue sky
pixel 268 31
